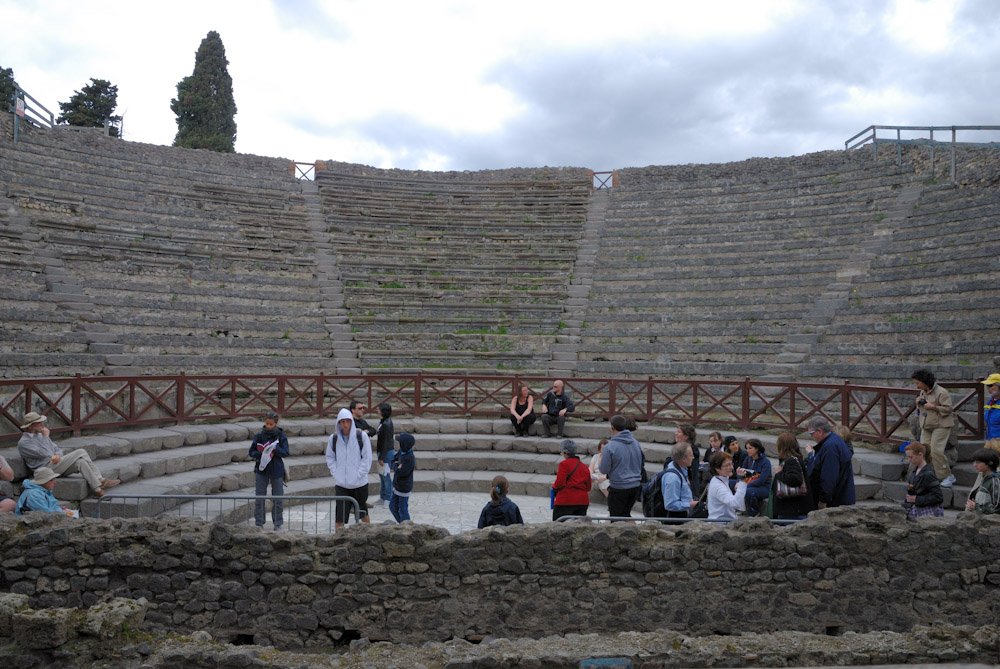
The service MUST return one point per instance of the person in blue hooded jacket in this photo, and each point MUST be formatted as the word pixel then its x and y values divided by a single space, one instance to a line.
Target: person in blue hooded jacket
pixel 402 484
pixel 37 494
pixel 271 439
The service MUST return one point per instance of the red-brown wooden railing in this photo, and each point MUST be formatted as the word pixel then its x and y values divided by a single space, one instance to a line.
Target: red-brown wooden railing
pixel 78 404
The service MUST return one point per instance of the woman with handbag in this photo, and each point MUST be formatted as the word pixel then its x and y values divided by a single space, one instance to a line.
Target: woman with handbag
pixel 792 500
pixel 572 484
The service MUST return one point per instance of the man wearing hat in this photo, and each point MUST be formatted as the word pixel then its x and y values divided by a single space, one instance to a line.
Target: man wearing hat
pixel 37 494
pixel 38 451
pixel 991 411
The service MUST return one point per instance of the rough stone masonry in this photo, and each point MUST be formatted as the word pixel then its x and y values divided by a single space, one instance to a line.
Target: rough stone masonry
pixel 852 569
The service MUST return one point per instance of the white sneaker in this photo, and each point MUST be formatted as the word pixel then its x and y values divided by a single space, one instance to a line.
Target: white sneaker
pixel 948 482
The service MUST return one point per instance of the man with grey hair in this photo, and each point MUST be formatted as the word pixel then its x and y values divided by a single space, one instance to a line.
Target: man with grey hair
pixel 830 472
pixel 677 497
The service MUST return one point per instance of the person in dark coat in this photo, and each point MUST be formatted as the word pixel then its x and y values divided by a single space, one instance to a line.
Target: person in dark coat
pixel 830 472
pixel 269 445
pixel 402 485
pixel 924 496
pixel 500 510
pixel 791 472
pixel 384 451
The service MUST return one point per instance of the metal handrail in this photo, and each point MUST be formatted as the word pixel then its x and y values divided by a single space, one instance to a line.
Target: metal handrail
pixel 670 521
pixel 870 134
pixel 107 501
pixel 305 171
pixel 28 111
pixel 102 403
pixel 601 180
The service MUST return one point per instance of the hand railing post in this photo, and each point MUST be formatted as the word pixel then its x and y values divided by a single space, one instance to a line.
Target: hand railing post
pixel 649 398
pixel 181 410
pixel 845 405
pixel 281 395
pixel 953 155
pixel 416 394
pixel 320 399
pixel 75 409
pixel 745 404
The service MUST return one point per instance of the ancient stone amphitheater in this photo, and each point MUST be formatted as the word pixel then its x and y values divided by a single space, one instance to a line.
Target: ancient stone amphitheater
pixel 140 262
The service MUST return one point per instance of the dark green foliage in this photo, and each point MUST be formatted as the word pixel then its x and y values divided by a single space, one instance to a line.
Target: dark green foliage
pixel 91 106
pixel 204 105
pixel 6 88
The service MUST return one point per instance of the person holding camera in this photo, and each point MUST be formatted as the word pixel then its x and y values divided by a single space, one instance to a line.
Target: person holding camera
pixel 723 503
pixel 936 421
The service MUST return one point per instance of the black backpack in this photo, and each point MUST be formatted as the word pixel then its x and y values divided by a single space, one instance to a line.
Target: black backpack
pixel 652 497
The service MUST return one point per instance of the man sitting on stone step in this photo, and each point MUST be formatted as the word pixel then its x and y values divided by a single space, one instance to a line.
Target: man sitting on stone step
pixel 557 404
pixel 37 450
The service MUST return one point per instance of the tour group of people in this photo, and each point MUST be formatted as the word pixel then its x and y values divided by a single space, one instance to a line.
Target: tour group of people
pixel 729 479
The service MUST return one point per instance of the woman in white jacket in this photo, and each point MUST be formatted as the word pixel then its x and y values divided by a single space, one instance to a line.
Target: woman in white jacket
pixel 349 459
pixel 723 503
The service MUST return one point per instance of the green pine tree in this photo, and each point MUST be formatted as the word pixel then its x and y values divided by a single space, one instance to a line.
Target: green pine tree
pixel 204 106
pixel 6 89
pixel 91 106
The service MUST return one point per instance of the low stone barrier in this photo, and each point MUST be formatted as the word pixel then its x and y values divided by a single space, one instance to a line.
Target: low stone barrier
pixel 843 570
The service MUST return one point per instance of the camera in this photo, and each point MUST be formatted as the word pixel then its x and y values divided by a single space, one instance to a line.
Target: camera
pixel 922 401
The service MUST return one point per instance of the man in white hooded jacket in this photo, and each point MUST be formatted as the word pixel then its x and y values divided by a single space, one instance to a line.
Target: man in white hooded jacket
pixel 349 461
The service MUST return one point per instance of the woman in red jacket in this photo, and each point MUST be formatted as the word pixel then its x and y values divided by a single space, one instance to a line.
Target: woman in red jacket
pixel 572 484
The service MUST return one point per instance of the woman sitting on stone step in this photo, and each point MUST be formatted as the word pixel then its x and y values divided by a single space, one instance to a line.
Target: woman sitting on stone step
pixel 522 411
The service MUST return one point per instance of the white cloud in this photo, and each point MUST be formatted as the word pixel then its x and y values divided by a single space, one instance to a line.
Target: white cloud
pixel 473 85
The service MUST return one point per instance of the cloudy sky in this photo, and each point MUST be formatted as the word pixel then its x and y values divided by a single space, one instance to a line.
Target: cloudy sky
pixel 478 85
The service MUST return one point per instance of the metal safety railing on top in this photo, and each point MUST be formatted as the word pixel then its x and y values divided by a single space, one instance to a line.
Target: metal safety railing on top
pixel 78 404
pixel 229 509
pixel 23 106
pixel 604 180
pixel 870 134
pixel 304 171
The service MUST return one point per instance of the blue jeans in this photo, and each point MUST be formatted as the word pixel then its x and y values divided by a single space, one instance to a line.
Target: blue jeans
pixel 277 489
pixel 399 507
pixel 385 492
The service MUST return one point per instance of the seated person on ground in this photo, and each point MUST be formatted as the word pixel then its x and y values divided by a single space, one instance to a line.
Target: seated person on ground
pixel 37 494
pixel 6 474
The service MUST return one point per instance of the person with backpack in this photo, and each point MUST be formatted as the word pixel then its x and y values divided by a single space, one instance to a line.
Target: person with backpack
pixel 675 486
pixel 572 484
pixel 349 459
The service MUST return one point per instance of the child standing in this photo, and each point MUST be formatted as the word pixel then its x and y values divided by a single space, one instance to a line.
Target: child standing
pixel 402 484
pixel 268 448
pixel 500 510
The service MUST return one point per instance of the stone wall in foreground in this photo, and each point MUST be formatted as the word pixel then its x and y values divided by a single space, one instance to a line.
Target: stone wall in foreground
pixel 865 569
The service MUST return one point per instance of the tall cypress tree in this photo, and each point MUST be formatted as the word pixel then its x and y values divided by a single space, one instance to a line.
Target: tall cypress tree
pixel 204 105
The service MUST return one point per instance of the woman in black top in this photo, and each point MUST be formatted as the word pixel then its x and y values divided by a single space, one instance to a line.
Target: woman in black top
pixel 385 450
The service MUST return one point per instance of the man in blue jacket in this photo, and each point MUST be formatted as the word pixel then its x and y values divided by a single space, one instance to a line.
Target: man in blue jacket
pixel 991 410
pixel 830 472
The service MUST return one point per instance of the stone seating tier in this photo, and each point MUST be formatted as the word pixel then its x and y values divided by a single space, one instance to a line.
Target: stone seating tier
pixel 95 151
pixel 371 323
